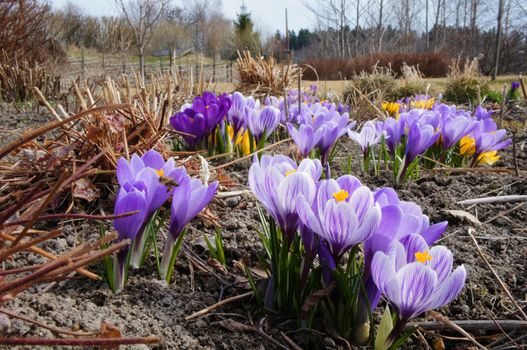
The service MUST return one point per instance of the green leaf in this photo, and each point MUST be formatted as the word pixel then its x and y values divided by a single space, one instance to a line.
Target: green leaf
pixel 252 283
pixel 219 247
pixel 212 251
pixel 402 339
pixel 174 255
pixel 382 341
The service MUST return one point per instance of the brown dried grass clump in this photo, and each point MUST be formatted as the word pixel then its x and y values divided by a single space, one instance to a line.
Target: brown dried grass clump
pixel 366 91
pixel 265 76
pixel 412 83
pixel 465 85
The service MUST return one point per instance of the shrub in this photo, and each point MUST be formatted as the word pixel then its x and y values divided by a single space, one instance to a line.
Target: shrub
pixel 431 65
pixel 464 83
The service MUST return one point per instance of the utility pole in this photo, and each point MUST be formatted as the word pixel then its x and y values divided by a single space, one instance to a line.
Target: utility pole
pixel 286 34
pixel 427 42
pixel 498 39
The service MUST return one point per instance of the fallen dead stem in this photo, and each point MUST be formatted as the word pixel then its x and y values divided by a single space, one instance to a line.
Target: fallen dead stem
pixel 500 282
pixel 98 342
pixel 50 256
pixel 14 248
pixel 472 325
pixel 454 326
pixel 53 125
pixel 39 210
pixel 52 217
pixel 213 307
pixel 45 326
pixel 477 170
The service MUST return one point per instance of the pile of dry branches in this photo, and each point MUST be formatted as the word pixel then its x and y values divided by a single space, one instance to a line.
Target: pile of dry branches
pixel 264 76
pixel 35 177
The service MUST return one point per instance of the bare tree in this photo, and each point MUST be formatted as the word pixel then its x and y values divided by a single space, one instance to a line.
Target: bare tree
pixel 333 15
pixel 143 16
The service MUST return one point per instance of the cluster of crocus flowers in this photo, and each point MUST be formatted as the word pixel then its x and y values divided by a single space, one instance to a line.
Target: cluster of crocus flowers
pixel 145 184
pixel 225 123
pixel 197 122
pixel 335 217
pixel 442 135
pixel 319 127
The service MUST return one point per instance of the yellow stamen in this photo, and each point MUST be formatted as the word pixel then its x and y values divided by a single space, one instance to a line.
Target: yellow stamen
pixel 392 108
pixel 341 195
pixel 423 257
pixel 160 172
pixel 467 145
pixel 289 172
pixel 490 157
pixel 423 104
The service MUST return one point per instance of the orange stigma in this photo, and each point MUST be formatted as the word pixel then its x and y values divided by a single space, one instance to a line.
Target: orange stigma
pixel 160 172
pixel 423 257
pixel 341 195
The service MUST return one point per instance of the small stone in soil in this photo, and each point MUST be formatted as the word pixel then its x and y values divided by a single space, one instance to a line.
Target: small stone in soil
pixel 232 201
pixel 167 301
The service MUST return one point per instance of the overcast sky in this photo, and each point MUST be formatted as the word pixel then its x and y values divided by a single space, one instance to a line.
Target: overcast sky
pixel 268 14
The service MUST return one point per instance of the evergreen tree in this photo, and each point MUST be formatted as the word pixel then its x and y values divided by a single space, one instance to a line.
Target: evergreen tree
pixel 245 37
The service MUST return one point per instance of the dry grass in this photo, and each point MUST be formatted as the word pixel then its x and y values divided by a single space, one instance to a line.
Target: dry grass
pixel 437 85
pixel 265 76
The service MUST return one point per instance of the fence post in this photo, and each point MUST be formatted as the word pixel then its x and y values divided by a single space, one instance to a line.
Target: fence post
pixel 230 81
pixel 82 66
pixel 214 71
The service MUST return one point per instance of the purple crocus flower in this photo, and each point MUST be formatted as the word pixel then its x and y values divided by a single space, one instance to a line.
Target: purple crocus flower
pixel 481 113
pixel 131 197
pixel 491 141
pixel 454 129
pixel 262 123
pixel 367 137
pixel 277 182
pixel 305 137
pixel 515 85
pixel 213 108
pixel 191 124
pixel 342 214
pixel 415 278
pixel 147 171
pixel 237 115
pixel 420 138
pixel 331 130
pixel 188 199
pixel 394 131
pixel 399 219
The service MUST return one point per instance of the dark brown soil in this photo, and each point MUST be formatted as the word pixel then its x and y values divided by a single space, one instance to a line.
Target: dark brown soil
pixel 150 307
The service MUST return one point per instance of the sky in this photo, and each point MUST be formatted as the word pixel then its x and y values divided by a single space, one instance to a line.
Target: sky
pixel 269 15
